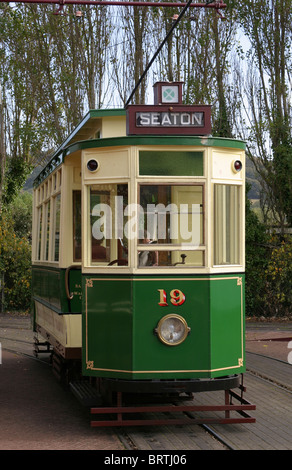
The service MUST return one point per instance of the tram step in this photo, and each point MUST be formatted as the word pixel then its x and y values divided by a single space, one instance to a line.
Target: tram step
pixel 42 347
pixel 86 393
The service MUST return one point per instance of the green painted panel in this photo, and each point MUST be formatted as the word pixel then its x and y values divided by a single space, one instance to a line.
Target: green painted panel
pixel 48 285
pixel 227 324
pixel 107 326
pixel 193 354
pixel 120 315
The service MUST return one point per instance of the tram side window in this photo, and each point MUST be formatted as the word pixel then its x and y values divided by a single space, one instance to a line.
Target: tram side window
pixel 48 207
pixel 56 243
pixel 40 227
pixel 47 234
pixel 77 225
pixel 227 224
pixel 171 224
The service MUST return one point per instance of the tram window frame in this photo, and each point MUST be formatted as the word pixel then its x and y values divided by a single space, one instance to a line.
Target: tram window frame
pixel 169 254
pixel 77 226
pixel 227 224
pixel 115 248
pixel 47 227
pixel 55 245
pixel 39 232
pixel 47 193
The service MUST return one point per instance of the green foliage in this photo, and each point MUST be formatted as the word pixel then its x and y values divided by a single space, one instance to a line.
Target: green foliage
pixel 15 254
pixel 256 262
pixel 15 176
pixel 21 213
pixel 268 270
pixel 278 278
pixel 283 173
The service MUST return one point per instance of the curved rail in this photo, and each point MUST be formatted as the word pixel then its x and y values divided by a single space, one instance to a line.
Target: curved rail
pixel 67 273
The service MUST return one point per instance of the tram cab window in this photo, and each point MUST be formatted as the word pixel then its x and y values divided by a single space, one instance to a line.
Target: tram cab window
pixel 108 244
pixel 227 224
pixel 171 225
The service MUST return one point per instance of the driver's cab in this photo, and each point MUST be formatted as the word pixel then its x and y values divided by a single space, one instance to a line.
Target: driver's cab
pixel 131 215
pixel 134 221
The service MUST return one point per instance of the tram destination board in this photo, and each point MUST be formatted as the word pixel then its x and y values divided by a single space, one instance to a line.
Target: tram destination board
pixel 165 119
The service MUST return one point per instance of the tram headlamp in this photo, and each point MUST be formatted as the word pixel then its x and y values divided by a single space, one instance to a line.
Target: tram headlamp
pixel 92 165
pixel 236 166
pixel 172 329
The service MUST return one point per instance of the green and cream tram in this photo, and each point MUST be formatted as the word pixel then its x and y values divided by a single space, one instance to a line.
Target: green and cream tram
pixel 139 249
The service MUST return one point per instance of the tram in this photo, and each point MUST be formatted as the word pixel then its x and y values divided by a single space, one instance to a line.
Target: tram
pixel 138 251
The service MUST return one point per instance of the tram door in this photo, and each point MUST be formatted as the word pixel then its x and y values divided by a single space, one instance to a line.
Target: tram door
pixel 73 279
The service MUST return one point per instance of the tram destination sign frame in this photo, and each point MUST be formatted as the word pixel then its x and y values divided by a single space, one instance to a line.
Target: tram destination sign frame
pixel 168 119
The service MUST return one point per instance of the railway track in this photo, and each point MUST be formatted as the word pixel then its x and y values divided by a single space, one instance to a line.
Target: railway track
pixel 132 439
pixel 273 397
pixel 265 375
pixel 162 438
pixel 155 438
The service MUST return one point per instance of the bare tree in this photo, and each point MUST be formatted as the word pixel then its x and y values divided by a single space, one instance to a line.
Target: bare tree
pixel 268 100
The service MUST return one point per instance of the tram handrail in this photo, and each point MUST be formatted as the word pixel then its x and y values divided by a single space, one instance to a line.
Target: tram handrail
pixel 69 294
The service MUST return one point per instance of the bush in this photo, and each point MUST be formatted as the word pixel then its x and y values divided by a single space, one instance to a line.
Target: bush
pixel 15 264
pixel 257 254
pixel 278 278
pixel 268 290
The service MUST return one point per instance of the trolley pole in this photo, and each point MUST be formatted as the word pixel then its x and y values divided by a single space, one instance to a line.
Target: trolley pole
pixel 208 4
pixel 174 25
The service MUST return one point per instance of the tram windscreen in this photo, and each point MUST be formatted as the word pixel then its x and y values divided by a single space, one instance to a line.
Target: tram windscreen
pixel 227 224
pixel 171 225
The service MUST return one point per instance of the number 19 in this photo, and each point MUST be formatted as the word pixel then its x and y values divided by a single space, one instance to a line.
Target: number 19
pixel 177 297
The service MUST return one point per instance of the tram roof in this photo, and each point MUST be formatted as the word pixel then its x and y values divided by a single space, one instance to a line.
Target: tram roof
pixel 81 137
pixel 82 132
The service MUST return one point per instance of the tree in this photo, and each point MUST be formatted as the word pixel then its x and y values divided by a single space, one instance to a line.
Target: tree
pixel 15 254
pixel 131 52
pixel 268 28
pixel 257 256
pixel 52 68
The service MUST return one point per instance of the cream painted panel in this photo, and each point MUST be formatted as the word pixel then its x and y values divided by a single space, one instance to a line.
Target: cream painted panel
pixel 51 322
pixel 112 164
pixel 65 328
pixel 113 126
pixel 74 329
pixel 222 166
